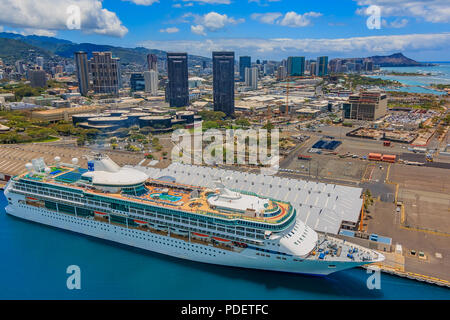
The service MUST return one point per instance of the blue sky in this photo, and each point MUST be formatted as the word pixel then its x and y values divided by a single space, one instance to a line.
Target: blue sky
pixel 266 29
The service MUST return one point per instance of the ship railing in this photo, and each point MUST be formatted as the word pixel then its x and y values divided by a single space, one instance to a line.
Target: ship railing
pixel 209 213
pixel 41 195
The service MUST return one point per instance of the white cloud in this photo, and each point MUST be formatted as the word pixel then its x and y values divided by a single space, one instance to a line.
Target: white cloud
pixel 397 23
pixel 170 30
pixel 268 18
pixel 198 29
pixel 214 21
pixel 38 32
pixel 290 19
pixel 283 47
pixel 435 11
pixel 262 2
pixel 211 21
pixel 143 2
pixel 293 19
pixel 51 16
pixel 210 1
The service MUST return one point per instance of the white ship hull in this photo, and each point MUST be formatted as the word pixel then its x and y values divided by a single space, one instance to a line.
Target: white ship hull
pixel 248 258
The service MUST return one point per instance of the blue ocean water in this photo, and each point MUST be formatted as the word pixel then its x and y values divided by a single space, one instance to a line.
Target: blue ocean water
pixel 440 74
pixel 34 259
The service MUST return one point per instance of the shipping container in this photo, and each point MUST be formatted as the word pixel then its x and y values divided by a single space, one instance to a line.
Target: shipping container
pixel 389 158
pixel 304 157
pixel 375 156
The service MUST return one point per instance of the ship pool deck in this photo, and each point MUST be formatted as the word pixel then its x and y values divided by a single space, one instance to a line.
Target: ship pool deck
pixel 198 205
pixel 169 195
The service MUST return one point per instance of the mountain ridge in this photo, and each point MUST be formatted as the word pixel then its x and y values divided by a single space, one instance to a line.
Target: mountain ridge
pixel 394 60
pixel 66 49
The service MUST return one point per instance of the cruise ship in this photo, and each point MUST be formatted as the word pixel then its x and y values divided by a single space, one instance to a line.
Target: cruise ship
pixel 210 225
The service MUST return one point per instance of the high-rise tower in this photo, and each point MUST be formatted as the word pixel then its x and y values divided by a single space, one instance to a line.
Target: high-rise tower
pixel 244 62
pixel 82 66
pixel 223 82
pixel 178 86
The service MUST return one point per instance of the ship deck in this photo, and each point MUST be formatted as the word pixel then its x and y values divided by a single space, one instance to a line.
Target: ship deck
pixel 165 194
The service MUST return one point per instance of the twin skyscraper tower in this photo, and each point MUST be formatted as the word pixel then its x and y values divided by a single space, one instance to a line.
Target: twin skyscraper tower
pixel 223 81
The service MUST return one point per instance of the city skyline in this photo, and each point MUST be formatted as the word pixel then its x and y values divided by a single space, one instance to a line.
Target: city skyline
pixel 262 29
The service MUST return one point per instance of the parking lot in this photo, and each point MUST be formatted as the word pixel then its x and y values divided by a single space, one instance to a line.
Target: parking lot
pixel 425 194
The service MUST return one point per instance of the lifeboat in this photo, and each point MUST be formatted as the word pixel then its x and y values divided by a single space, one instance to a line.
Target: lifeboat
pixel 200 235
pixel 32 199
pixel 179 231
pixel 139 222
pixel 102 214
pixel 221 240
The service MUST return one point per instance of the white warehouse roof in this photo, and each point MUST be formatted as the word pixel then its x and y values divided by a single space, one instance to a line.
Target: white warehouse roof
pixel 321 206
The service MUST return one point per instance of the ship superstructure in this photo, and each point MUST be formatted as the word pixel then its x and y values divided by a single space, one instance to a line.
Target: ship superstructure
pixel 212 225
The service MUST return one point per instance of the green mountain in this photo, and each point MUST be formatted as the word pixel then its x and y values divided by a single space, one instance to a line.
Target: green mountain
pixel 66 49
pixel 12 50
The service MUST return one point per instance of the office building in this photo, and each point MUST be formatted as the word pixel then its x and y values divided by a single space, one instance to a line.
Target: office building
pixel 312 67
pixel 38 78
pixel 178 86
pixel 281 73
pixel 40 62
pixel 251 77
pixel 82 68
pixel 20 66
pixel 152 62
pixel 151 82
pixel 105 73
pixel 368 105
pixel 322 66
pixel 296 66
pixel 223 82
pixel 368 65
pixel 244 62
pixel 269 69
pixel 137 82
